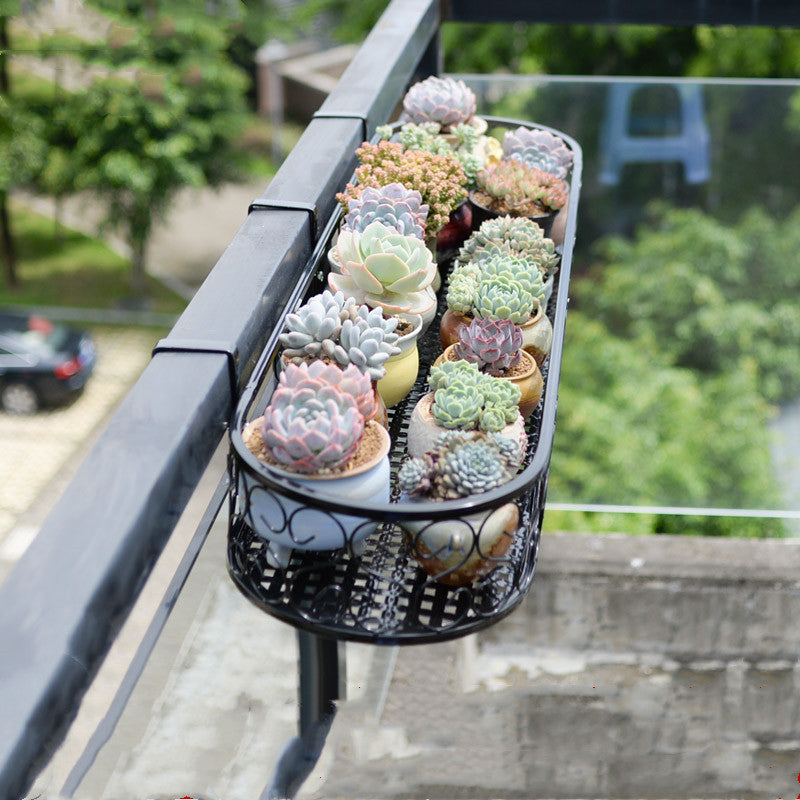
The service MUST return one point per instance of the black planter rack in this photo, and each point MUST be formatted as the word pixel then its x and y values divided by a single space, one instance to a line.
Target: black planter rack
pixel 377 592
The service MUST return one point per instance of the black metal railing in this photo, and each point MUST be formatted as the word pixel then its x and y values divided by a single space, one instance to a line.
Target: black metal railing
pixel 65 600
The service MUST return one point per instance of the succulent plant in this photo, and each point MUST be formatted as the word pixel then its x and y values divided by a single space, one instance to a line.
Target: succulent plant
pixel 496 260
pixel 350 380
pixel 439 178
pixel 368 341
pixel 538 149
pixel 502 297
pixel 459 464
pixel 445 101
pixel 468 399
pixel 310 425
pixel 385 269
pixel 393 205
pixel 461 293
pixel 494 345
pixel 520 235
pixel 514 188
pixel 502 396
pixel 426 136
pixel 331 326
pixel 445 373
pixel 457 406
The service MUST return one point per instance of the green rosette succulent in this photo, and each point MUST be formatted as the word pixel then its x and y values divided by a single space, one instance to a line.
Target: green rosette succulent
pixel 449 371
pixel 461 293
pixel 500 395
pixel 518 235
pixel 457 406
pixel 385 269
pixel 496 260
pixel 467 399
pixel 503 297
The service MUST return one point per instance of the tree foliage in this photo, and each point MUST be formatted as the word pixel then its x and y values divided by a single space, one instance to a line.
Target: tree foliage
pixel 715 298
pixel 161 114
pixel 635 429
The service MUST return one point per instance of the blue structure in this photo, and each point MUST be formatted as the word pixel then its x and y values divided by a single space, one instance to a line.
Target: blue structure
pixel 619 144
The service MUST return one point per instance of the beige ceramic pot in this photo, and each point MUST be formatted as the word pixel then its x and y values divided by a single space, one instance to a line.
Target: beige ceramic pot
pixel 423 430
pixel 457 552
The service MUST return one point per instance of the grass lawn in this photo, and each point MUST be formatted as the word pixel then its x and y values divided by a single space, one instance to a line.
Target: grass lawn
pixel 72 270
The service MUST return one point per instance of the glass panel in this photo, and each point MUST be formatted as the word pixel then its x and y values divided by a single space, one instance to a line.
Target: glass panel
pixel 681 378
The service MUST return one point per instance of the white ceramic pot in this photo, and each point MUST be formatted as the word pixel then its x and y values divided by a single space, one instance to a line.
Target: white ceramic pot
pixel 288 524
pixel 423 430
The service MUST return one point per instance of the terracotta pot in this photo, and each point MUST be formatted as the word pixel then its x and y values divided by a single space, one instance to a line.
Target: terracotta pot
pixel 423 430
pixel 530 382
pixel 457 552
pixel 288 524
pixel 537 332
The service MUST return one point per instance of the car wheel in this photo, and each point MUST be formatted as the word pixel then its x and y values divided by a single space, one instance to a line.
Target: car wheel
pixel 17 398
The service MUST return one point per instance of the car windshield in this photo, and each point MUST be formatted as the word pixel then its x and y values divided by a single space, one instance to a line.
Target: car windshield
pixel 35 335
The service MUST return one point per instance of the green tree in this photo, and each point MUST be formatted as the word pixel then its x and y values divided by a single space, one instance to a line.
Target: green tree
pixel 167 118
pixel 712 296
pixel 22 148
pixel 634 429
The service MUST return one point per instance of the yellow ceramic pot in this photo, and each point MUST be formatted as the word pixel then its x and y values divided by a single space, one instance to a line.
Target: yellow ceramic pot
pixel 402 369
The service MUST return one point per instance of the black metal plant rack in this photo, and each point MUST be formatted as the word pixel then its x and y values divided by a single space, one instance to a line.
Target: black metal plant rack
pixel 378 593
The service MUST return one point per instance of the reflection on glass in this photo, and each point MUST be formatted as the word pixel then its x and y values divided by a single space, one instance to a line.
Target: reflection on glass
pixel 681 375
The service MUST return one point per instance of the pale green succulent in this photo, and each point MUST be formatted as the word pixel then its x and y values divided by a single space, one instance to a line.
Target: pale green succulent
pixel 519 235
pixel 446 372
pixel 461 293
pixel 385 269
pixel 502 395
pixel 502 297
pixel 468 399
pixel 457 406
pixel 495 261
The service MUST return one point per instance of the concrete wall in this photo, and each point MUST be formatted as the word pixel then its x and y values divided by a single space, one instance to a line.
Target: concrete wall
pixel 638 667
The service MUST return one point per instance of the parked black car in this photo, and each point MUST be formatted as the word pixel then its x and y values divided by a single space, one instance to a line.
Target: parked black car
pixel 42 363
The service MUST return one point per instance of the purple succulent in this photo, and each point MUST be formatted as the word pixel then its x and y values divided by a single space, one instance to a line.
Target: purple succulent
pixel 494 345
